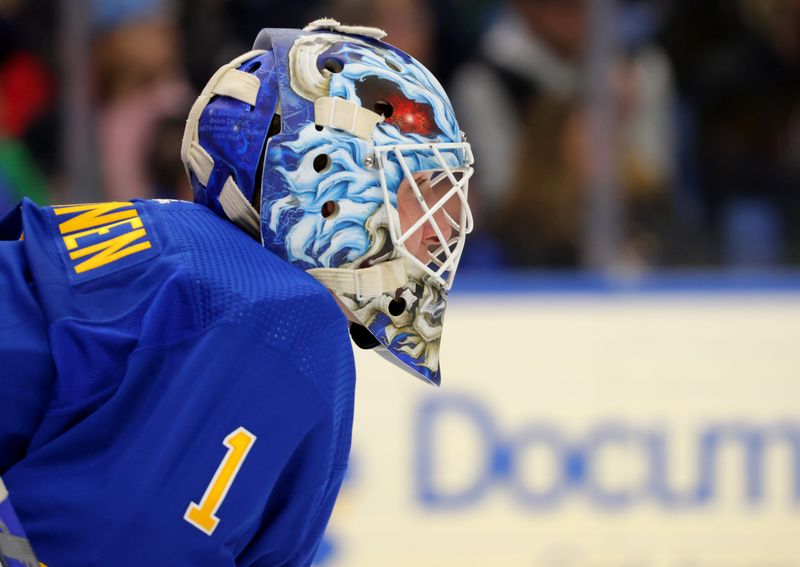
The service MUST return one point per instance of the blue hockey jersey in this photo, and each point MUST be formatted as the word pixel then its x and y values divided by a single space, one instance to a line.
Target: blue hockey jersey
pixel 171 393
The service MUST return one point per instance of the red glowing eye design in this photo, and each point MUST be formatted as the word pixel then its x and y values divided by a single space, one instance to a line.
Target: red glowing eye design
pixel 411 117
pixel 386 98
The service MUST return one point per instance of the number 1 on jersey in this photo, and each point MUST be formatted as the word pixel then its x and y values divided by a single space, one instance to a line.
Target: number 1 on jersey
pixel 203 515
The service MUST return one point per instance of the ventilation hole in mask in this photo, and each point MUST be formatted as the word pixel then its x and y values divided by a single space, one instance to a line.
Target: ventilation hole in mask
pixel 322 163
pixel 384 108
pixel 318 128
pixel 362 337
pixel 274 126
pixel 397 306
pixel 330 209
pixel 333 65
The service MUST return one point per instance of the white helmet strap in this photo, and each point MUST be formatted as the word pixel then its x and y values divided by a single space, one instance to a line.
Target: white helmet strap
pixel 376 280
pixel 346 115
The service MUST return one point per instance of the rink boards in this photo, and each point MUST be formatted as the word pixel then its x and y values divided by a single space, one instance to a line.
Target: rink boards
pixel 584 429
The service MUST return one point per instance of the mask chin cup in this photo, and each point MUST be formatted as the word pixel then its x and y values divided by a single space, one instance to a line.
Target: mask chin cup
pixel 362 337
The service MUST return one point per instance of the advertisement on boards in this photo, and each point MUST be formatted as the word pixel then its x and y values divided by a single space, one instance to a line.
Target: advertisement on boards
pixel 583 431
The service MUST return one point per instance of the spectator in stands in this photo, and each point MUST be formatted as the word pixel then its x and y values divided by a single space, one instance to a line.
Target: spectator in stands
pixel 739 75
pixel 523 100
pixel 138 83
pixel 514 65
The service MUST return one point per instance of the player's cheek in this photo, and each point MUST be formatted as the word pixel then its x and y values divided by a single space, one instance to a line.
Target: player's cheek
pixel 408 208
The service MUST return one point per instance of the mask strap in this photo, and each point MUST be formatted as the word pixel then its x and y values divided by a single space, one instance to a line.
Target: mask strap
pixel 228 81
pixel 346 115
pixel 376 280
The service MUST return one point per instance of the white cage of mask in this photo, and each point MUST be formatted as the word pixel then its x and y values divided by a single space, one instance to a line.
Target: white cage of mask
pixel 444 258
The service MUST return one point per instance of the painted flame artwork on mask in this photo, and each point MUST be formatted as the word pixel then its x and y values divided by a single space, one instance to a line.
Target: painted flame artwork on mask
pixel 312 161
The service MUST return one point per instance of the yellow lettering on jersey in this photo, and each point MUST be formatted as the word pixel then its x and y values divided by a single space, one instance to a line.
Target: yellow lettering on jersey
pixel 93 214
pixel 203 515
pixel 97 220
pixel 110 250
pixel 71 240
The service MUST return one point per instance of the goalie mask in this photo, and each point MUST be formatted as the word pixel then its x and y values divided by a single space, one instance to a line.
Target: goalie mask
pixel 343 156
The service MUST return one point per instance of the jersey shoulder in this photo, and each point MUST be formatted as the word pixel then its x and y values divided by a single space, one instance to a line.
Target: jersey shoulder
pixel 120 255
pixel 237 280
pixel 149 274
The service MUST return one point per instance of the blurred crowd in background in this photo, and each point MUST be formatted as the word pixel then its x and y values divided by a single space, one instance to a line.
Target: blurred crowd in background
pixel 703 131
